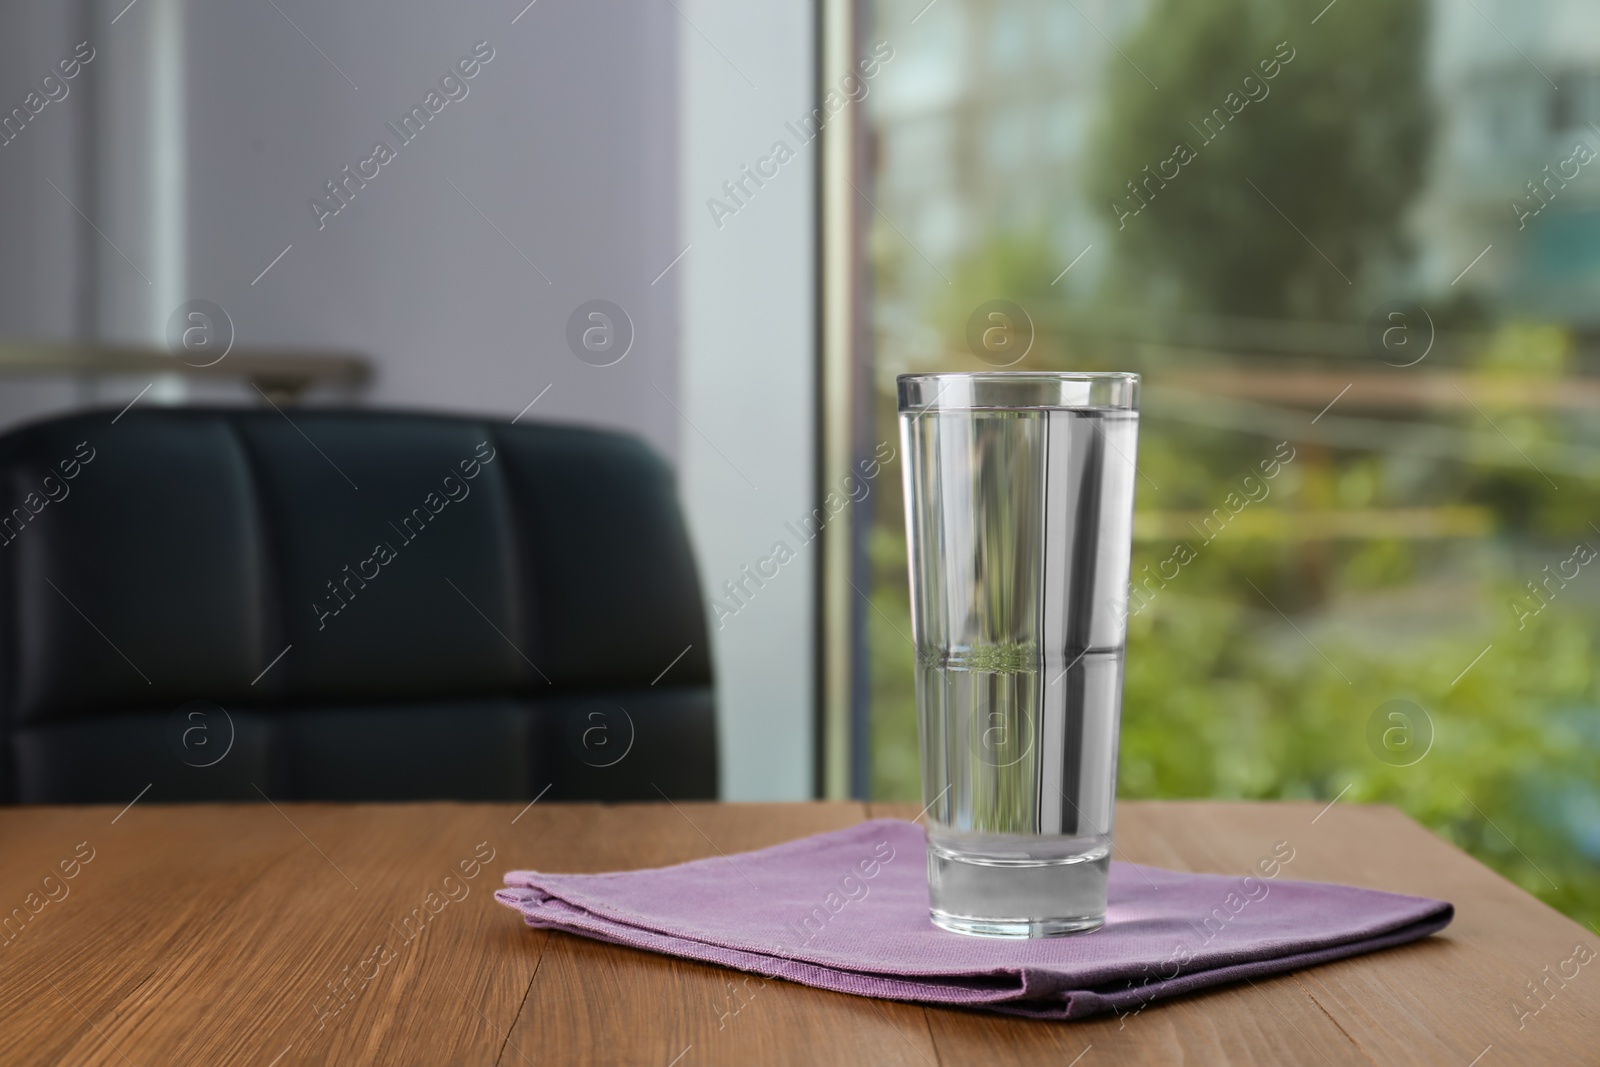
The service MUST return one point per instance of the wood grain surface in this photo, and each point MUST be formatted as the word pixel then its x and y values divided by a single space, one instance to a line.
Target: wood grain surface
pixel 275 935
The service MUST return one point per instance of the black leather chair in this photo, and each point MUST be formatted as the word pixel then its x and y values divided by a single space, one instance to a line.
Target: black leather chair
pixel 357 605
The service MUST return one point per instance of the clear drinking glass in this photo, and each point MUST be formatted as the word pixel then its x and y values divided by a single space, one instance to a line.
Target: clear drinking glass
pixel 1019 515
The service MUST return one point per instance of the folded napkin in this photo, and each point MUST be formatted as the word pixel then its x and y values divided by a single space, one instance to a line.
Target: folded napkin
pixel 848 911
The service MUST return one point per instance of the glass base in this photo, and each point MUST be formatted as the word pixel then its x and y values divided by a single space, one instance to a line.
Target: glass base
pixel 986 897
pixel 961 924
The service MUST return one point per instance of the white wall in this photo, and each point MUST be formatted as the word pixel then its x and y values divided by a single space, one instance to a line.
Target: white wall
pixel 40 255
pixel 566 141
pixel 748 374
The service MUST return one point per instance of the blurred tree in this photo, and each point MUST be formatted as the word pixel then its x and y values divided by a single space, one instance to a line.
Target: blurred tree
pixel 1337 140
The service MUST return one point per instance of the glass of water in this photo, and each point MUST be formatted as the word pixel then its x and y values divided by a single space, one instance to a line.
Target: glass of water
pixel 1019 515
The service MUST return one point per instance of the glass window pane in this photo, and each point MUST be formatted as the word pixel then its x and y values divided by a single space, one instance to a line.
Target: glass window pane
pixel 1356 256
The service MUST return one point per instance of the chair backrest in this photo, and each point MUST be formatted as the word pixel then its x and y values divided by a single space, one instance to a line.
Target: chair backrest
pixel 225 603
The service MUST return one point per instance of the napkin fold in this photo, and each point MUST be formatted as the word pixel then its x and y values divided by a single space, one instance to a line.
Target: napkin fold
pixel 848 911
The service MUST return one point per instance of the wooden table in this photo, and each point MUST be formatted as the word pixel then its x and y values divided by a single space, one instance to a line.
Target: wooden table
pixel 312 933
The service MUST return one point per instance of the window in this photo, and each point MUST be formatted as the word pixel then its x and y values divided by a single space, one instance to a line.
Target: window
pixel 1356 257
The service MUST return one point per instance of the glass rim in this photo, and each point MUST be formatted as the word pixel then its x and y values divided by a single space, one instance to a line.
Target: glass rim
pixel 998 390
pixel 1012 375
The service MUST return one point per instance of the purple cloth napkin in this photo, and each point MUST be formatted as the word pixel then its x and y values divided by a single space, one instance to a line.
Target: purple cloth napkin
pixel 848 911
